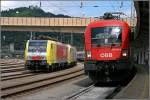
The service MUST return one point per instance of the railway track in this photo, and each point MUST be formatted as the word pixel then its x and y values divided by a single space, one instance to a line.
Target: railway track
pixel 101 91
pixel 11 63
pixel 15 86
pixel 14 75
pixel 80 92
pixel 8 61
pixel 12 66
pixel 8 70
pixel 94 93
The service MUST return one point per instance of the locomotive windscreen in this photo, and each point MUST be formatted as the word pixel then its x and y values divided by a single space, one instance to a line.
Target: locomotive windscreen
pixel 39 45
pixel 106 36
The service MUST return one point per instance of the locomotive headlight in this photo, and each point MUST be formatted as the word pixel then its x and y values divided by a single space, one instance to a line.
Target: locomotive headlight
pixel 88 54
pixel 125 53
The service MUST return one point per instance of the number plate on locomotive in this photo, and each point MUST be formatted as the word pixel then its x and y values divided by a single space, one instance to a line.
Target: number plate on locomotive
pixel 105 55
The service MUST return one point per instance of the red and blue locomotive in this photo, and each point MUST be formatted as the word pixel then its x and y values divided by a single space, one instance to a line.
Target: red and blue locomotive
pixel 107 49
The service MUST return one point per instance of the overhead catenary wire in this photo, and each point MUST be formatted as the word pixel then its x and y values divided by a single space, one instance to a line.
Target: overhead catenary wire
pixel 63 8
pixel 113 7
pixel 69 6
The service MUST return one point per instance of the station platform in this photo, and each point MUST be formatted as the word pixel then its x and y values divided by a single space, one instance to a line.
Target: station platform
pixel 138 88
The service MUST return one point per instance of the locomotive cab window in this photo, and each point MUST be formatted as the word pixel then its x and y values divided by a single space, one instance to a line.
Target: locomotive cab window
pixel 39 46
pixel 106 36
pixel 37 43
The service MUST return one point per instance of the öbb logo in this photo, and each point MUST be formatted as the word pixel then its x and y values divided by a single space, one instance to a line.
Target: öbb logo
pixel 106 55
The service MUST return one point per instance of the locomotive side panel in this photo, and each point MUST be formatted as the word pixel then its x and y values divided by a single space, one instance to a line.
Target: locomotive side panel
pixel 72 58
pixel 26 51
pixel 74 55
pixel 61 53
pixel 48 55
pixel 69 55
pixel 54 46
pixel 51 54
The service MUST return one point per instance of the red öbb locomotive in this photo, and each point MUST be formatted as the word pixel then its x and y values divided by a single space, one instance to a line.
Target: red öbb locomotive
pixel 107 49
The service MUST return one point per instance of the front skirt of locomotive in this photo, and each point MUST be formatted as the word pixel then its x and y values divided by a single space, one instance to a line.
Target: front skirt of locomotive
pixel 36 64
pixel 107 70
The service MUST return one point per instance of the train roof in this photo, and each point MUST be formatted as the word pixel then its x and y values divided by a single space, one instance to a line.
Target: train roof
pixel 38 40
pixel 111 22
pixel 53 42
pixel 42 40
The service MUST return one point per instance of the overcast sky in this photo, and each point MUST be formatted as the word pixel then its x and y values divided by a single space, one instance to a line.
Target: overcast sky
pixel 72 8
